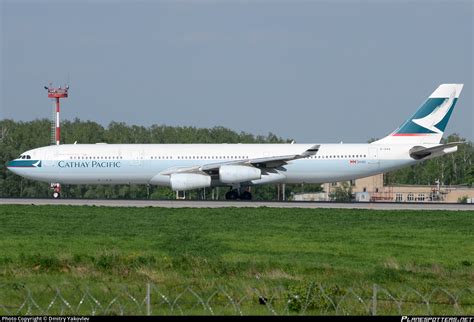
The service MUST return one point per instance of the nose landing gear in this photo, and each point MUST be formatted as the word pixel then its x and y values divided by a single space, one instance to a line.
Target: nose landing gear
pixel 56 190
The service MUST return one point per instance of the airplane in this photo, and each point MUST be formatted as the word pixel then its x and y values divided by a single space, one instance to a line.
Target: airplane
pixel 192 166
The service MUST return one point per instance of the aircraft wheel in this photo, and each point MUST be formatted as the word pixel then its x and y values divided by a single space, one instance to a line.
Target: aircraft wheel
pixel 246 195
pixel 231 195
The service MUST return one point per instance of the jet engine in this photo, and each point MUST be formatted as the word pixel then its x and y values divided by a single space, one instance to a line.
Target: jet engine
pixel 238 173
pixel 188 181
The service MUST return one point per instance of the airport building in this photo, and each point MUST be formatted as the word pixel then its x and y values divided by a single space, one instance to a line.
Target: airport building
pixel 372 189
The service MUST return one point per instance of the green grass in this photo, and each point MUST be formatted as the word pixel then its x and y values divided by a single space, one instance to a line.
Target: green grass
pixel 274 251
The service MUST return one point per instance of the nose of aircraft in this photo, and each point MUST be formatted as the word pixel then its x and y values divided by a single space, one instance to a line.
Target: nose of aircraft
pixel 16 165
pixel 11 166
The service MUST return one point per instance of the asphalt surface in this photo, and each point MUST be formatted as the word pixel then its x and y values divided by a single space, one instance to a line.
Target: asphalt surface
pixel 238 204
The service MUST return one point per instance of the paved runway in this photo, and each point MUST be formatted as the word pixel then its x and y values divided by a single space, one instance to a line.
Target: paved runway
pixel 239 204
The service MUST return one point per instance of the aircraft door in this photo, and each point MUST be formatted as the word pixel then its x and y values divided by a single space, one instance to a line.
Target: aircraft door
pixel 136 158
pixel 49 159
pixel 373 157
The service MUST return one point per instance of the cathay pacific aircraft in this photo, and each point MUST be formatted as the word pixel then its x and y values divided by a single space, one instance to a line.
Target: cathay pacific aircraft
pixel 192 166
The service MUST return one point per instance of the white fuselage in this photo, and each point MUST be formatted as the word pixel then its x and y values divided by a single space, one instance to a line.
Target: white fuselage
pixel 144 163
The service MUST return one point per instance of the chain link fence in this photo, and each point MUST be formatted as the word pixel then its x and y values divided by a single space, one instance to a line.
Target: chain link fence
pixel 310 299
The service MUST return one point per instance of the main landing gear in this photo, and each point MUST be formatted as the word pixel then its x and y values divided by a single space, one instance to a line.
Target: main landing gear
pixel 56 190
pixel 233 194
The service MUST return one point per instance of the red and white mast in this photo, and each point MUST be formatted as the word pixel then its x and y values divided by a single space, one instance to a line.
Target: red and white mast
pixel 57 93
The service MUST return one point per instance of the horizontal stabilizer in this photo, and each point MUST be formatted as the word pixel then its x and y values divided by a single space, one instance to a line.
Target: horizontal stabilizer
pixel 422 153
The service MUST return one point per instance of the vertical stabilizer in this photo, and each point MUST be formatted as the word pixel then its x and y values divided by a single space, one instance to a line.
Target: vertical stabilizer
pixel 427 125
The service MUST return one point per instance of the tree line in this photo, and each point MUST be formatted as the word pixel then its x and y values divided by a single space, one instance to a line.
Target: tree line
pixel 17 137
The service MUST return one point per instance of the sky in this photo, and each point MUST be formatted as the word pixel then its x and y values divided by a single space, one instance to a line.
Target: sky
pixel 312 71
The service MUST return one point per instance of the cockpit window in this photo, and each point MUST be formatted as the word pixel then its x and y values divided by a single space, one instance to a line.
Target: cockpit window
pixel 28 157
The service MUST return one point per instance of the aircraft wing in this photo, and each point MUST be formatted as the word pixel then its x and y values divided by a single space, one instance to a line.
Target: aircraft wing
pixel 420 152
pixel 193 169
pixel 265 163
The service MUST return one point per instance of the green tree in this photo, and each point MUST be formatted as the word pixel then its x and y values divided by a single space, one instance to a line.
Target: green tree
pixel 342 193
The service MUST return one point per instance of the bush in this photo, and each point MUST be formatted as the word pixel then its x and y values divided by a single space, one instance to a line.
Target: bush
pixel 342 193
pixel 309 296
pixel 462 199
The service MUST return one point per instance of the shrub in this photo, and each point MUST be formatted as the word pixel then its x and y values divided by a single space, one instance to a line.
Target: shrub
pixel 462 199
pixel 311 296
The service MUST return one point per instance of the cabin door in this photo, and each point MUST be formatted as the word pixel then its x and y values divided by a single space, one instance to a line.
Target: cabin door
pixel 373 157
pixel 50 158
pixel 136 158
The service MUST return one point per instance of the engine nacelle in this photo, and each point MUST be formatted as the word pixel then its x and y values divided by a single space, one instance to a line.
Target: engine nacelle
pixel 238 173
pixel 188 181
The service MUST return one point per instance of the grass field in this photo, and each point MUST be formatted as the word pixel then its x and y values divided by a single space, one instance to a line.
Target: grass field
pixel 237 249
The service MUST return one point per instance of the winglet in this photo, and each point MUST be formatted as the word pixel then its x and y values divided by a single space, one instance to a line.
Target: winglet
pixel 311 151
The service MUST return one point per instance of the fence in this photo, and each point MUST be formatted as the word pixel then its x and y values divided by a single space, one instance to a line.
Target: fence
pixel 312 299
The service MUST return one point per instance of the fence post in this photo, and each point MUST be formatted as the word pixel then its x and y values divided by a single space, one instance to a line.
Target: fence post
pixel 374 300
pixel 148 296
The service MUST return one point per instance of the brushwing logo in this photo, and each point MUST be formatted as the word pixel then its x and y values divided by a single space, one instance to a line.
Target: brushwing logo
pixel 438 114
pixel 24 164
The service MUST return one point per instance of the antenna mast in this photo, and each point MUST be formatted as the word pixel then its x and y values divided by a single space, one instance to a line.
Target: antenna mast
pixel 56 93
